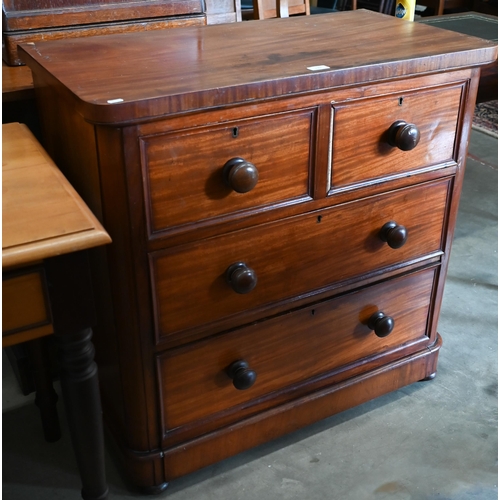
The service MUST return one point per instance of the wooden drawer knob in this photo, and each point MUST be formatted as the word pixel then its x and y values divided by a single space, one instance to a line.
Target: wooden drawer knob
pixel 381 324
pixel 393 234
pixel 241 278
pixel 243 377
pixel 240 175
pixel 403 135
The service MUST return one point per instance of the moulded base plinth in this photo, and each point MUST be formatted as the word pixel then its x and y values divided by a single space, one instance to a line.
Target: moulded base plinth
pixel 270 424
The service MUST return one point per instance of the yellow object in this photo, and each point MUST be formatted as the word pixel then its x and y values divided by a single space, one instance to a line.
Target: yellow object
pixel 405 9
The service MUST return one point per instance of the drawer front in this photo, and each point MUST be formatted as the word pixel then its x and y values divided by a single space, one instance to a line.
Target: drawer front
pixel 184 175
pixel 361 149
pixel 293 257
pixel 292 348
pixel 24 303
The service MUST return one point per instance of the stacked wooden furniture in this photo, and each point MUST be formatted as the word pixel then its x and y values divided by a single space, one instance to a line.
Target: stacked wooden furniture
pixel 281 218
pixel 36 20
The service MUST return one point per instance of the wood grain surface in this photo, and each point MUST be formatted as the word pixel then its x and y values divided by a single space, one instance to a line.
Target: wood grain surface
pixel 336 244
pixel 32 14
pixel 151 74
pixel 150 162
pixel 43 216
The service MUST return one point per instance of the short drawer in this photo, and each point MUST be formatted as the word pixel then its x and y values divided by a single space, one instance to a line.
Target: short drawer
pixel 293 348
pixel 186 182
pixel 25 306
pixel 362 134
pixel 295 256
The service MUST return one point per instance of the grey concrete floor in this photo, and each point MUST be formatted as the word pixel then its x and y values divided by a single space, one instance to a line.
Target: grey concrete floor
pixel 432 440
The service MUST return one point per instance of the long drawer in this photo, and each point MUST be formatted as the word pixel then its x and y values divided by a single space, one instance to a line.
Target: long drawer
pixel 293 348
pixel 292 257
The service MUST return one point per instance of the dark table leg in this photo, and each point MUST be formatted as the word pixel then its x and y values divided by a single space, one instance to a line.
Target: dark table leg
pixel 80 390
pixel 46 396
pixel 73 315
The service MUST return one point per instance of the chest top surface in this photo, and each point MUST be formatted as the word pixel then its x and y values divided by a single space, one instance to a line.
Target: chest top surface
pixel 128 77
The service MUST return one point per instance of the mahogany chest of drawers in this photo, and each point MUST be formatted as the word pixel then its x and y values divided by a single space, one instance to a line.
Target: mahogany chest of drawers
pixel 282 211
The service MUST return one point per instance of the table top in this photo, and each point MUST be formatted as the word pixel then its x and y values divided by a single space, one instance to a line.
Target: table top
pixel 17 83
pixel 43 216
pixel 138 76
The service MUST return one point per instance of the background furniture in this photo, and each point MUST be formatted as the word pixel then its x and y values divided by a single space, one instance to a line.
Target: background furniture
pixel 438 6
pixel 482 26
pixel 265 9
pixel 281 219
pixel 383 6
pixel 36 20
pixel 46 290
pixel 18 98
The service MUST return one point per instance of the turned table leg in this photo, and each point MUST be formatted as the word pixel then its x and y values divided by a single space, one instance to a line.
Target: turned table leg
pixel 73 316
pixel 80 390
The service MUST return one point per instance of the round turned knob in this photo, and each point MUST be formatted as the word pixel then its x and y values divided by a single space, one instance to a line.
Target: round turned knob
pixel 394 234
pixel 240 175
pixel 404 136
pixel 381 324
pixel 241 278
pixel 243 377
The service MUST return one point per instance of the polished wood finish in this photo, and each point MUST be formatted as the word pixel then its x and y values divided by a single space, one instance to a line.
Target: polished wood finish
pixel 214 193
pixel 43 216
pixel 393 234
pixel 26 311
pixel 255 430
pixel 241 278
pixel 478 24
pixel 240 175
pixel 242 375
pixel 11 40
pixel 28 14
pixel 361 155
pixel 338 244
pixel 198 77
pixel 403 135
pixel 229 318
pixel 17 83
pixel 46 225
pixel 29 21
pixel 340 335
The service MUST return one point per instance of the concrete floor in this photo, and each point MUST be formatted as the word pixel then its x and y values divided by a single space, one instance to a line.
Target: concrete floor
pixel 433 440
